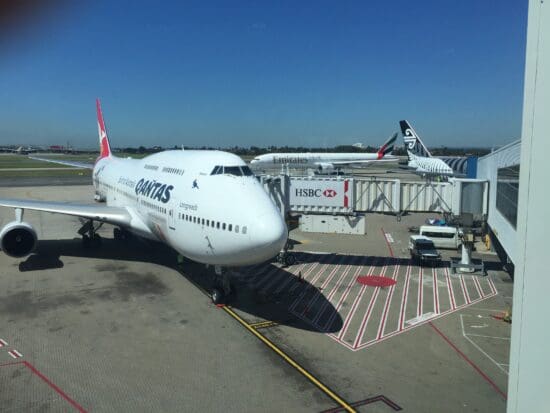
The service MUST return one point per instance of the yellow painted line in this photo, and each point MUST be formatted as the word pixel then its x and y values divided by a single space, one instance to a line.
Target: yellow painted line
pixel 290 361
pixel 262 324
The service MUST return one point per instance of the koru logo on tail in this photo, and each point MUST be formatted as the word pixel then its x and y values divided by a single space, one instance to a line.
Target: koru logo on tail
pixel 409 138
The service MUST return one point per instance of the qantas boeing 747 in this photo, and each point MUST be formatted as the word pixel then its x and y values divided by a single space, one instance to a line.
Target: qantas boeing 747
pixel 207 205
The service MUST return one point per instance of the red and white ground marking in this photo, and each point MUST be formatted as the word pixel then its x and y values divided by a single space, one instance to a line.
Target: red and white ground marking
pixel 329 293
pixel 352 311
pixel 15 354
pixel 3 343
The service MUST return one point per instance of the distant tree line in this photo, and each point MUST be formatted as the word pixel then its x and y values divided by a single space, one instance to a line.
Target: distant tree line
pixel 256 150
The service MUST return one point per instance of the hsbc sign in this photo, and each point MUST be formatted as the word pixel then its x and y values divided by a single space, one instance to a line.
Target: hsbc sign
pixel 315 194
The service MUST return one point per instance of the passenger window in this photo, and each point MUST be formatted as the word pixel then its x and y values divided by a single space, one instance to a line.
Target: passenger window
pixel 244 230
pixel 223 226
pixel 207 222
pixel 202 221
pixel 218 225
pixel 230 227
pixel 237 229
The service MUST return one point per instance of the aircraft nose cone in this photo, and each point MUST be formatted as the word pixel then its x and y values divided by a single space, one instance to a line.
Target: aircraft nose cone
pixel 271 233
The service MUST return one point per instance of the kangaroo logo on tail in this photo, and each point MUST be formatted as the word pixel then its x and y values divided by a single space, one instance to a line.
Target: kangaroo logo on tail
pixel 105 148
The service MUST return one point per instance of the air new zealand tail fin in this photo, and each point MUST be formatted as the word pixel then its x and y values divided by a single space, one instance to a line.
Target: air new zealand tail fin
pixel 412 140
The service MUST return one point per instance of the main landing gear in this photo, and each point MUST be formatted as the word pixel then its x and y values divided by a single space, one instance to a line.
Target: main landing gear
pixel 222 285
pixel 90 237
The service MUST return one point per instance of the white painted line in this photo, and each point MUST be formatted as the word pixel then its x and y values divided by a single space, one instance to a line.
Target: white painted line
pixel 313 281
pixel 382 324
pixel 420 308
pixel 404 299
pixel 343 297
pixel 465 290
pixel 478 287
pixel 295 272
pixel 330 296
pixel 3 343
pixel 366 317
pixel 479 348
pixel 15 354
pixel 389 237
pixel 436 292
pixel 354 306
pixel 318 292
pixel 450 289
pixel 420 318
pixel 495 337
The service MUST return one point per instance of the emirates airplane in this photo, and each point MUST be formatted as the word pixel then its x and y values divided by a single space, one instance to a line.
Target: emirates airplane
pixel 326 162
pixel 207 205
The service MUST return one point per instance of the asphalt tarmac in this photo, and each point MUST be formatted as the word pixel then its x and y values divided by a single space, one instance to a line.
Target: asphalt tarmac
pixel 125 328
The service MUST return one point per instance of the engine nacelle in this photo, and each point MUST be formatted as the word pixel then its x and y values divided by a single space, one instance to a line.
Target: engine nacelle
pixel 325 167
pixel 18 239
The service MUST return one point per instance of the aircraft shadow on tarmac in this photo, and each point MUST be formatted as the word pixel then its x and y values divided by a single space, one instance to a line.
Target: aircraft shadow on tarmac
pixel 256 303
pixel 266 291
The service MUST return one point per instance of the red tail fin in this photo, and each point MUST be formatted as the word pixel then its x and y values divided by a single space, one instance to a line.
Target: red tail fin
pixel 104 147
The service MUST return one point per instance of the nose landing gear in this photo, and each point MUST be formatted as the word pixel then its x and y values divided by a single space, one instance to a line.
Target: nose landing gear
pixel 222 285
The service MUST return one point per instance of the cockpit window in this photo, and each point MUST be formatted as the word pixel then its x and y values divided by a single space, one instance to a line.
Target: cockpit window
pixel 232 170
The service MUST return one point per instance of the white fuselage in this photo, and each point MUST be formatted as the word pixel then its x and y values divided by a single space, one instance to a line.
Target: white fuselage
pixel 224 218
pixel 429 165
pixel 315 159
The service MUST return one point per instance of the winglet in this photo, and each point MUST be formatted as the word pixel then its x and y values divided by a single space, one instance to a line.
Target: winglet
pixel 387 147
pixel 104 147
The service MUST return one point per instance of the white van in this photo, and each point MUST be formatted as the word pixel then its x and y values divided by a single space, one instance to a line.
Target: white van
pixel 442 237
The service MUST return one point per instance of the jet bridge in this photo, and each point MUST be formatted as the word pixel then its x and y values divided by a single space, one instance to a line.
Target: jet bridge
pixel 352 196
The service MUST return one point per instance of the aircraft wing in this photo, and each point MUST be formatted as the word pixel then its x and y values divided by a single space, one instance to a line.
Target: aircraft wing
pixel 102 213
pixel 76 164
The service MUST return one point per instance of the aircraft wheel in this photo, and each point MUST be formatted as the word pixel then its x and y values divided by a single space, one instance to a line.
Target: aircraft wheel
pixel 290 259
pixel 217 296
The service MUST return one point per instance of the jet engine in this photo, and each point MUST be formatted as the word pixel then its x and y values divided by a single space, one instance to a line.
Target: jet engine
pixel 325 168
pixel 18 239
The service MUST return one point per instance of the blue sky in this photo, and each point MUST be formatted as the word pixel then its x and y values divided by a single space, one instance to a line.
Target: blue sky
pixel 258 73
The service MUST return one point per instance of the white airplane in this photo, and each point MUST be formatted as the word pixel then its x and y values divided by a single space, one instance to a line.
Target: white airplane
pixel 422 161
pixel 326 162
pixel 207 205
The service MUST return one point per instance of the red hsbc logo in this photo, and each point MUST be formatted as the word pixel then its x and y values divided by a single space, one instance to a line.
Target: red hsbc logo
pixel 329 193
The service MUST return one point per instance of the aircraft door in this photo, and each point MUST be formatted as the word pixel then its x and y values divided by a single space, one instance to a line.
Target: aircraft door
pixel 172 214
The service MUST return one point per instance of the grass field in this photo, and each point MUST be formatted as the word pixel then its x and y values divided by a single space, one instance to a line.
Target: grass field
pixel 26 173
